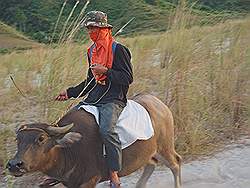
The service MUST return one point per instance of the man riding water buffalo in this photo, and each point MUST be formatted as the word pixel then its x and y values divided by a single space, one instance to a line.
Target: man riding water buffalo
pixel 72 153
pixel 110 66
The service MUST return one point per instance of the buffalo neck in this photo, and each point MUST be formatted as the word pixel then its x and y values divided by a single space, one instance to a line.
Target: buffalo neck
pixel 57 168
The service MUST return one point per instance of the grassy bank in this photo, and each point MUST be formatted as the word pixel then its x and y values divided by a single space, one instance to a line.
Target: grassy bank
pixel 11 40
pixel 201 73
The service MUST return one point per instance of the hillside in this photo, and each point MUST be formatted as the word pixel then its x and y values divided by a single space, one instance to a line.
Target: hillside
pixel 37 18
pixel 12 39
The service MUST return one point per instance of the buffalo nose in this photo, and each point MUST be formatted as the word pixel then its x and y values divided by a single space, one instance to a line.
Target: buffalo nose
pixel 14 165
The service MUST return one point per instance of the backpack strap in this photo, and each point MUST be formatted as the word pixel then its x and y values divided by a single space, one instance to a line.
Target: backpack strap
pixel 114 44
pixel 91 51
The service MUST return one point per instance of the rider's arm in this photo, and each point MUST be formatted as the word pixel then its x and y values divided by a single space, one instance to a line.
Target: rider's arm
pixel 76 90
pixel 121 73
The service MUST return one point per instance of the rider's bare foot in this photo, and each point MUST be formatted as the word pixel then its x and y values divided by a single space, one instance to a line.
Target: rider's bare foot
pixel 114 180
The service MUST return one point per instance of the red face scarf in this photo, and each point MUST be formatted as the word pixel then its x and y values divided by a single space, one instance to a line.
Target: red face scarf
pixel 102 52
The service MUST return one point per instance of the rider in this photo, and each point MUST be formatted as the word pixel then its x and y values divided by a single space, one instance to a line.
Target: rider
pixel 106 86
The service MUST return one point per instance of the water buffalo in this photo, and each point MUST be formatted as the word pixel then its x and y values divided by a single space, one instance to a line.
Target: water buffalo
pixel 72 152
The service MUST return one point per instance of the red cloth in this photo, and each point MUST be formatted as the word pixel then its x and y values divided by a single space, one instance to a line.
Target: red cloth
pixel 102 52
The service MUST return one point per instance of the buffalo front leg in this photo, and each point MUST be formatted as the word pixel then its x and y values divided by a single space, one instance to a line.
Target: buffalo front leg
pixel 147 172
pixel 92 182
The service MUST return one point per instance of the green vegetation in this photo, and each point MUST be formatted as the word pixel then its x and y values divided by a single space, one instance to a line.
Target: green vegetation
pixel 37 18
pixel 233 5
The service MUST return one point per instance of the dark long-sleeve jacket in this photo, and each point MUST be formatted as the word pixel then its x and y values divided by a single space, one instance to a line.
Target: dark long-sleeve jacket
pixel 119 76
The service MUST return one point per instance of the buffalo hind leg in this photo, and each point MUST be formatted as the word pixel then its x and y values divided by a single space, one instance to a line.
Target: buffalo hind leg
pixel 174 163
pixel 147 172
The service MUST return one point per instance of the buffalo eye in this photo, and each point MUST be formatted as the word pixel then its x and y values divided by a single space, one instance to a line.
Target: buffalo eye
pixel 41 139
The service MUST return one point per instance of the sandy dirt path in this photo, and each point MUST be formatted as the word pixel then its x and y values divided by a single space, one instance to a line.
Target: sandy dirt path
pixel 227 169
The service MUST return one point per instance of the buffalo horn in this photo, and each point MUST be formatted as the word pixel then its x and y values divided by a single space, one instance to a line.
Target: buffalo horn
pixel 59 130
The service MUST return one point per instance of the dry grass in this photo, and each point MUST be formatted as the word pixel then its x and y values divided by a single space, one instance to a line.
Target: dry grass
pixel 201 73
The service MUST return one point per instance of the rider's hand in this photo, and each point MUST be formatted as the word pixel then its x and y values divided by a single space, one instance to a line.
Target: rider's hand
pixel 99 69
pixel 62 96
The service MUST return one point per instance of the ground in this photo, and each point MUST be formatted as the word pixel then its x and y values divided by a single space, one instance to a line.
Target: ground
pixel 228 168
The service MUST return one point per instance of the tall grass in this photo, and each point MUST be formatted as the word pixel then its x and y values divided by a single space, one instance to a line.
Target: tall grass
pixel 200 72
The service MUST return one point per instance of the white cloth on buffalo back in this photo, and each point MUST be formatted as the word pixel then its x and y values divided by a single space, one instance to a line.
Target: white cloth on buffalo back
pixel 133 124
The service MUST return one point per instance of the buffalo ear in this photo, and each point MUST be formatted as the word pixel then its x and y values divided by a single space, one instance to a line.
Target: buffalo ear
pixel 69 139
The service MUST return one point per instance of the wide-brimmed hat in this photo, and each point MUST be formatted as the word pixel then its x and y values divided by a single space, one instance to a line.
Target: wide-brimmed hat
pixel 97 19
